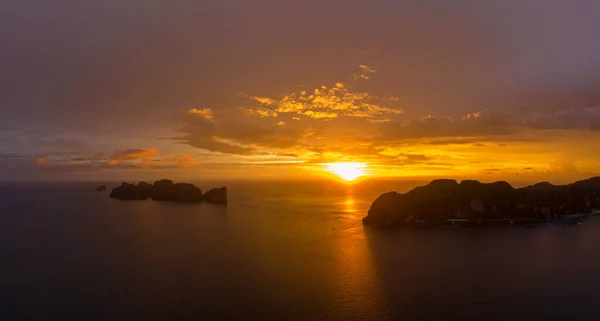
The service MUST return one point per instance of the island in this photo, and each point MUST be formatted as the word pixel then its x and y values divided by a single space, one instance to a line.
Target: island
pixel 166 190
pixel 101 188
pixel 447 202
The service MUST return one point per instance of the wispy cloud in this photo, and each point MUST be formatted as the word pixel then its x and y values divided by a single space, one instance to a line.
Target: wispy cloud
pixel 132 154
pixel 366 69
pixel 136 158
pixel 264 100
pixel 206 113
pixel 361 76
pixel 261 112
pixel 42 161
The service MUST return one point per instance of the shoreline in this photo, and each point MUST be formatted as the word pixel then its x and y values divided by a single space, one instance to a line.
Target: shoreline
pixel 566 220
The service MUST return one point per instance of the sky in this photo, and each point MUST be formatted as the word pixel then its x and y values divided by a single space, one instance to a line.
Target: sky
pixel 265 89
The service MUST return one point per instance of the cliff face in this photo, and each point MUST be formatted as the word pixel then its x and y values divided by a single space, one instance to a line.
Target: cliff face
pixel 447 199
pixel 216 195
pixel 166 190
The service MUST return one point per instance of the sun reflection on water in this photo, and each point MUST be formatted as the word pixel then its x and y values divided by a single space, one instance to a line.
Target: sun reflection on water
pixel 357 286
pixel 350 204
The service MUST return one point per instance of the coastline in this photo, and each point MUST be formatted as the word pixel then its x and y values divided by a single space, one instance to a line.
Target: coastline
pixel 566 220
pixel 472 203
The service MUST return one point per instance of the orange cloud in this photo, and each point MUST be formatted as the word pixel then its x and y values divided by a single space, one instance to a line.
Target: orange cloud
pixel 132 154
pixel 318 114
pixel 327 103
pixel 186 161
pixel 264 100
pixel 361 76
pixel 42 161
pixel 258 111
pixel 179 161
pixel 366 69
pixel 206 113
pixel 131 159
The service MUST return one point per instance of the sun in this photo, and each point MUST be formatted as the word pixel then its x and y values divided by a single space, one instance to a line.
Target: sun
pixel 348 171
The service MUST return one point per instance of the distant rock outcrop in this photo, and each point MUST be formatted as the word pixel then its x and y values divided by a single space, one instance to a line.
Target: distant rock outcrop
pixel 127 191
pixel 166 190
pixel 216 195
pixel 445 199
pixel 101 188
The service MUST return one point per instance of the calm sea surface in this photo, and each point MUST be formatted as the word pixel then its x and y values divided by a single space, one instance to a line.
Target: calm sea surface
pixel 278 251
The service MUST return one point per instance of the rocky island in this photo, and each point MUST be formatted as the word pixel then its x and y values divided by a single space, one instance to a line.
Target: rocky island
pixel 445 201
pixel 166 190
pixel 101 188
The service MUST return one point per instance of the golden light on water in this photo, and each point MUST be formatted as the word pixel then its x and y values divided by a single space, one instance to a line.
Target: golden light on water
pixel 347 171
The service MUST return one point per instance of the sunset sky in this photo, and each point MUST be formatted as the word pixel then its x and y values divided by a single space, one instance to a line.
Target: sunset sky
pixel 279 89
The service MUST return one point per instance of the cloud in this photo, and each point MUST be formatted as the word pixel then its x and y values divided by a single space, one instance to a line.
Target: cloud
pixel 280 123
pixel 258 111
pixel 330 102
pixel 572 118
pixel 132 154
pixel 361 76
pixel 138 158
pixel 366 69
pixel 42 161
pixel 176 161
pixel 263 100
pixel 259 135
pixel 203 134
pixel 185 161
pixel 212 144
pixel 485 124
pixel 317 114
pixel 481 123
pixel 379 121
pixel 206 113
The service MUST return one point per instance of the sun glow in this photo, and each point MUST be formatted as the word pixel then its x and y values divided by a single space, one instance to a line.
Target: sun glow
pixel 348 171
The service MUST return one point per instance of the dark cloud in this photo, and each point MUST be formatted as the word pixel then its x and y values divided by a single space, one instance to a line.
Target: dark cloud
pixel 265 136
pixel 236 137
pixel 200 132
pixel 486 125
pixel 212 144
pixel 587 118
pixel 415 157
pixel 134 158
pixel 481 123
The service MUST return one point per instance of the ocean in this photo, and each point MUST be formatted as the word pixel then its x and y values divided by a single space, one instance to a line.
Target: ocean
pixel 277 251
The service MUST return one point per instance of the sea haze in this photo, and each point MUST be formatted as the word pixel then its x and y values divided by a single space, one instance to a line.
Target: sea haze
pixel 277 251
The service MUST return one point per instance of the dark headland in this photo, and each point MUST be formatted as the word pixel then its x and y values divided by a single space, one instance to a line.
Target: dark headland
pixel 166 190
pixel 445 201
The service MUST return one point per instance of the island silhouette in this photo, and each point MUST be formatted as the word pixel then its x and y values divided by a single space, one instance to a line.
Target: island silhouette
pixel 445 201
pixel 166 190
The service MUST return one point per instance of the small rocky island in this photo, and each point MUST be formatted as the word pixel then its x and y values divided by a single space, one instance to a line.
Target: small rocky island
pixel 445 201
pixel 101 188
pixel 166 190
